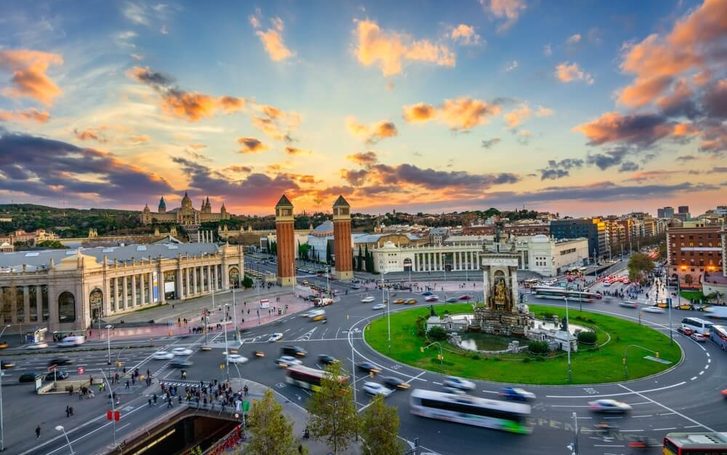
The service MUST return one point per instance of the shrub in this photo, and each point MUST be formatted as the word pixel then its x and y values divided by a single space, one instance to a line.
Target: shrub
pixel 526 360
pixel 538 347
pixel 437 334
pixel 587 337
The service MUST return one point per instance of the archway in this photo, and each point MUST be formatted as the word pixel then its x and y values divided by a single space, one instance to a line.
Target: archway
pixel 95 302
pixel 407 265
pixel 66 307
pixel 234 275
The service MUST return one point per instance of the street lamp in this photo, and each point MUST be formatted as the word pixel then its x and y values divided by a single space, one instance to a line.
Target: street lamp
pixel 113 405
pixel 384 300
pixel 234 317
pixel 3 331
pixel 108 343
pixel 60 428
pixel 440 356
pixel 567 334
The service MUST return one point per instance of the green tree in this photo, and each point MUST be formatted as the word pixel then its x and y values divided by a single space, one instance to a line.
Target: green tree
pixel 333 415
pixel 437 333
pixel 359 263
pixel 639 264
pixel 271 432
pixel 379 426
pixel 247 282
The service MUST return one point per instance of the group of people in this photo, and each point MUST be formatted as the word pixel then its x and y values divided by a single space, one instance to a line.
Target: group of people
pixel 206 393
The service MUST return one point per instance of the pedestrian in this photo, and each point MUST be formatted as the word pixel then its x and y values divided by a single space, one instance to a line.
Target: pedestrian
pixel 71 410
pixel 127 384
pixel 68 411
pixel 37 432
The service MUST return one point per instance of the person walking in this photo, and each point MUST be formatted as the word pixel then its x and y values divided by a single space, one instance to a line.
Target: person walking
pixel 37 432
pixel 68 411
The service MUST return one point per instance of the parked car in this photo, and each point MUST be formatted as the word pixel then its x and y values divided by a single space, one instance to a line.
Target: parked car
pixel 162 355
pixel 453 382
pixel 374 388
pixel 411 302
pixel 287 361
pixel 182 351
pixel 59 361
pixel 295 351
pixel 326 359
pixel 275 337
pixel 699 337
pixel 378 306
pixel 516 394
pixel 59 375
pixel 367 299
pixel 393 382
pixel 609 406
pixel 29 377
pixel 236 358
pixel 7 364
pixel 369 367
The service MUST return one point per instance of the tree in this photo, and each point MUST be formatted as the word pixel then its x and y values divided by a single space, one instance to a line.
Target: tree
pixel 639 264
pixel 359 263
pixel 247 282
pixel 379 426
pixel 271 432
pixel 333 415
pixel 437 333
pixel 688 280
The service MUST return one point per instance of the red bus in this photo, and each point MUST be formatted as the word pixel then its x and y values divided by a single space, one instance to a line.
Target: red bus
pixel 695 443
pixel 307 378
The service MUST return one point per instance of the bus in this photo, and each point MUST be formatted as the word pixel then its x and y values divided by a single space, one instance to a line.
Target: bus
pixel 718 334
pixel 307 378
pixel 697 325
pixel 481 412
pixel 553 292
pixel 531 283
pixel 695 443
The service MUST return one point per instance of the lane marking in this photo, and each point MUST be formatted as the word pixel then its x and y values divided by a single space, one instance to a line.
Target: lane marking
pixel 620 394
pixel 642 416
pixel 665 429
pixel 693 378
pixel 667 408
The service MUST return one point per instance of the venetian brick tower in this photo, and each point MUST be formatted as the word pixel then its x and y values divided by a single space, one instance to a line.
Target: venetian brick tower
pixel 285 241
pixel 342 239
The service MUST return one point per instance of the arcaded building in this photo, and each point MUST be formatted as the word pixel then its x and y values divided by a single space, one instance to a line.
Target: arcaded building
pixel 65 290
pixel 184 215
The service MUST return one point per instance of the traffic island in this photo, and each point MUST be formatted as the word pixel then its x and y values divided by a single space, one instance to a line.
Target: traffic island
pixel 625 350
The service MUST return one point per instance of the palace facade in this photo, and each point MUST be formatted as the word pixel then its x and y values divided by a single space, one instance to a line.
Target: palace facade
pixel 184 215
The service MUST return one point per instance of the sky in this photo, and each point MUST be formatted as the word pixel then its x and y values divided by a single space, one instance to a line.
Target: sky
pixel 579 107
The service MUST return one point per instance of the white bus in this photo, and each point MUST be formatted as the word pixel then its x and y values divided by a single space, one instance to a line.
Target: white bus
pixel 307 378
pixel 719 336
pixel 697 325
pixel 481 412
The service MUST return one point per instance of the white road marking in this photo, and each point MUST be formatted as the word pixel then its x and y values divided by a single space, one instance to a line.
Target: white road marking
pixel 665 429
pixel 693 378
pixel 609 445
pixel 642 416
pixel 630 431
pixel 667 408
pixel 620 394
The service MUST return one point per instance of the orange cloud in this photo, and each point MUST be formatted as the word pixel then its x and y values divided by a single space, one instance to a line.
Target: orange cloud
pixel 27 115
pixel 508 9
pixel 388 50
pixel 465 34
pixel 571 72
pixel 364 158
pixel 371 133
pixel 275 123
pixel 293 151
pixel 251 145
pixel 637 129
pixel 231 104
pixel 29 74
pixel 419 112
pixel 91 134
pixel 272 38
pixel 139 139
pixel 518 115
pixel 459 114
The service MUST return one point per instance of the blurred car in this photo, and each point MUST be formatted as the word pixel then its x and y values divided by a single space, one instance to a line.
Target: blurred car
pixel 367 299
pixel 685 330
pixel 374 388
pixel 662 305
pixel 7 364
pixel 431 298
pixel 295 351
pixel 516 394
pixel 685 306
pixel 378 306
pixel 326 359
pixel 236 358
pixel 182 351
pixel 465 297
pixel 29 377
pixel 426 293
pixel 275 337
pixel 33 346
pixel 59 375
pixel 699 337
pixel 453 382
pixel 411 301
pixel 628 304
pixel 368 367
pixel 451 300
pixel 399 301
pixel 609 406
pixel 4 345
pixel 393 382
pixel 287 361
pixel 59 361
pixel 653 309
pixel 724 393
pixel 181 363
pixel 162 355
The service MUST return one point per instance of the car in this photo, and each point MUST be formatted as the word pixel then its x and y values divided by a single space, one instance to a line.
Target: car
pixel 162 355
pixel 287 361
pixel 367 299
pixel 236 358
pixel 4 345
pixel 451 300
pixel 393 383
pixel 609 406
pixel 71 341
pixel 516 394
pixel 182 351
pixel 724 393
pixel 295 351
pixel 685 330
pixel 59 361
pixel 699 337
pixel 453 382
pixel 368 367
pixel 653 309
pixel 275 337
pixel 628 304
pixel 399 301
pixel 326 359
pixel 181 363
pixel 374 388
pixel 685 306
pixel 465 297
pixel 378 306
pixel 29 377
pixel 58 375
pixel 411 302
pixel 662 305
pixel 39 345
pixel 427 293
pixel 7 364
pixel 431 298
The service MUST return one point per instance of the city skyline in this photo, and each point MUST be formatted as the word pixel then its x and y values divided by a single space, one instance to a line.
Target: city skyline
pixel 595 108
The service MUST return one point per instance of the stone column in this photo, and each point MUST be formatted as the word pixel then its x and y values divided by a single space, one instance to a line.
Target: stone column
pixel 142 292
pixel 26 304
pixel 150 295
pixel 160 280
pixel 193 271
pixel 39 302
pixel 485 286
pixel 513 285
pixel 133 291
pixel 179 284
pixel 124 294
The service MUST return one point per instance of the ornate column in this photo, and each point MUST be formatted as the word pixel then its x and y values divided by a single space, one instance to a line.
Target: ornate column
pixel 133 291
pixel 180 283
pixel 194 280
pixel 150 295
pixel 26 304
pixel 485 287
pixel 513 288
pixel 39 302
pixel 124 294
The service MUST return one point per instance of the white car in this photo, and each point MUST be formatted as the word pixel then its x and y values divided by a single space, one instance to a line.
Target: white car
pixel 379 306
pixel 236 358
pixel 162 355
pixel 287 361
pixel 431 298
pixel 609 406
pixel 275 337
pixel 41 345
pixel 182 351
pixel 374 388
pixel 653 309
pixel 453 382
pixel 367 299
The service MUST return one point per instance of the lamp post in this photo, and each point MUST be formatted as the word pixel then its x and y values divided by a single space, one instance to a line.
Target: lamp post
pixel 3 330
pixel 384 300
pixel 353 370
pixel 2 425
pixel 234 317
pixel 567 335
pixel 113 404
pixel 60 428
pixel 625 362
pixel 441 356
pixel 108 343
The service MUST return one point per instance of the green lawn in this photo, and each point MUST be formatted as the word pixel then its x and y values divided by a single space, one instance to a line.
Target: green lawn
pixel 696 296
pixel 603 365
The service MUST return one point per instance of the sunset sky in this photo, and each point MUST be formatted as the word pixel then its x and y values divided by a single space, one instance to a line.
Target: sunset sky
pixel 581 107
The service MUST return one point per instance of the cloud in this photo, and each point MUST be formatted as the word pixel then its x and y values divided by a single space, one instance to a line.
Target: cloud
pixel 364 158
pixel 91 134
pixel 27 115
pixel 517 115
pixel 460 114
pixel 29 78
pixel 548 50
pixel 419 112
pixel 574 39
pixel 611 158
pixel 373 133
pixel 636 129
pixel 153 16
pixel 389 49
pixel 139 139
pixel 571 72
pixel 272 38
pixel 559 169
pixel 628 166
pixel 274 122
pixel 465 35
pixel 251 145
pixel 686 158
pixel 46 168
pixel 511 66
pixel 192 106
pixel 293 151
pixel 510 10
pixel 489 143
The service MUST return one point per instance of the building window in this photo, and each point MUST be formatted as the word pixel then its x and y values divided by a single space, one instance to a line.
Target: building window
pixel 45 306
pixel 66 307
pixel 20 304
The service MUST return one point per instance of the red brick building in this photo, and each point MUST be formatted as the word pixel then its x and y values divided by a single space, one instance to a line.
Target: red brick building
pixel 285 237
pixel 342 239
pixel 693 250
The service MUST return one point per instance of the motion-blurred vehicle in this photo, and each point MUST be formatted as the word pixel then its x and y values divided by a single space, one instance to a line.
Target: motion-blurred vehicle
pixel 29 377
pixel 236 358
pixel 653 309
pixel 368 367
pixel 162 355
pixel 451 300
pixel 182 351
pixel 393 382
pixel 399 301
pixel 516 394
pixel 287 361
pixel 181 363
pixel 411 301
pixel 59 361
pixel 378 306
pixel 275 337
pixel 699 337
pixel 326 359
pixel 453 382
pixel 374 388
pixel 59 375
pixel 367 299
pixel 295 351
pixel 7 364
pixel 628 304
pixel 431 298
pixel 39 345
pixel 609 406
pixel 465 297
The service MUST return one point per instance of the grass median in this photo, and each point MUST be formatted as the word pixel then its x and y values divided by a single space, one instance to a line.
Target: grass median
pixel 617 339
